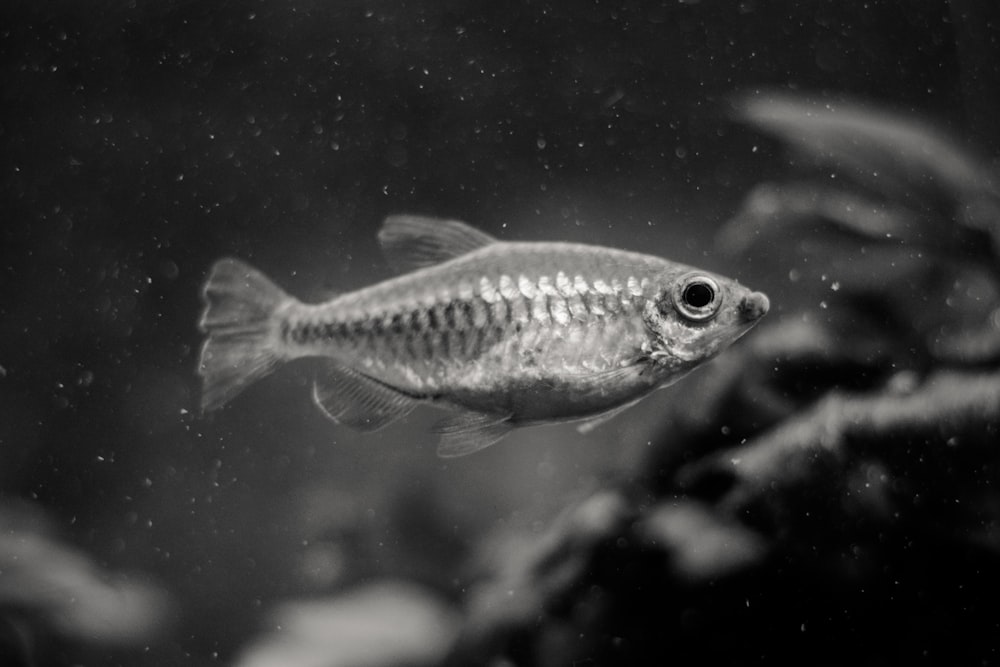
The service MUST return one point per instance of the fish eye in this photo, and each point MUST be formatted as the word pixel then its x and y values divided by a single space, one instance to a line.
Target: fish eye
pixel 696 297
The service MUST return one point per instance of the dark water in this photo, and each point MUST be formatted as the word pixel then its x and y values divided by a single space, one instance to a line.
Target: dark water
pixel 140 141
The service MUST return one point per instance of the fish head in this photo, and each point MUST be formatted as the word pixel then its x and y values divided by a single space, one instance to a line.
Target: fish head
pixel 694 315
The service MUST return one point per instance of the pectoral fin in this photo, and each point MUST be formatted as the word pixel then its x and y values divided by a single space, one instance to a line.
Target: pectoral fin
pixel 412 242
pixel 469 432
pixel 356 400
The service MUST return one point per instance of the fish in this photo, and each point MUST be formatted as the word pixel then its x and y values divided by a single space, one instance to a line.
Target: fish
pixel 503 333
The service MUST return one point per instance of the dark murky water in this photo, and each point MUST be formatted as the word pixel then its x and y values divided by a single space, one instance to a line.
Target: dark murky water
pixel 140 141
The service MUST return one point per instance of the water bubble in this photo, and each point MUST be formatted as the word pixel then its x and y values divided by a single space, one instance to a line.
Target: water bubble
pixel 86 379
pixel 169 269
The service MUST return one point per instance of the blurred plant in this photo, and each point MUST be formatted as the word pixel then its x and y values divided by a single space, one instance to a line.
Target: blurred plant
pixel 379 625
pixel 825 493
pixel 51 591
pixel 918 213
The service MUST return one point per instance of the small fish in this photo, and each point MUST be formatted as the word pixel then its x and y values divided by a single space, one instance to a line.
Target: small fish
pixel 509 334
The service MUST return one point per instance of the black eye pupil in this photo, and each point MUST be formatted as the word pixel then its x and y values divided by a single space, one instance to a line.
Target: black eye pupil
pixel 698 295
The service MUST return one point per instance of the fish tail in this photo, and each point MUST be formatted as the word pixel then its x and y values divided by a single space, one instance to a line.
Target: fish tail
pixel 240 321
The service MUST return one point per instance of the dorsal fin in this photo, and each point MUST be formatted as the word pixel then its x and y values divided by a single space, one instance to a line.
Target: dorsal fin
pixel 413 241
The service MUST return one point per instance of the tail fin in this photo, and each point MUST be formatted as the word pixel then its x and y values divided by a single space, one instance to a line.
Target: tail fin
pixel 241 346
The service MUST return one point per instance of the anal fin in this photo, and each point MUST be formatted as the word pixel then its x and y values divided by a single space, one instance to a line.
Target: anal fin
pixel 356 400
pixel 469 432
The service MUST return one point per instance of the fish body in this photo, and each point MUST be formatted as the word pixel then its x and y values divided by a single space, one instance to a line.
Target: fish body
pixel 509 333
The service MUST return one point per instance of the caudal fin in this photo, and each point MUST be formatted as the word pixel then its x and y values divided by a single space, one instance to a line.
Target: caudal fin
pixel 241 344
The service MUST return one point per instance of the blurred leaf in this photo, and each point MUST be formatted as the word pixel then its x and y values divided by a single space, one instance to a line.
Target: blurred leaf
pixel 383 624
pixel 770 209
pixel 916 185
pixel 889 152
pixel 701 545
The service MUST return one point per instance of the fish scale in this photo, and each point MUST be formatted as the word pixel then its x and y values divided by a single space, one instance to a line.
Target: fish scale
pixel 455 331
pixel 508 333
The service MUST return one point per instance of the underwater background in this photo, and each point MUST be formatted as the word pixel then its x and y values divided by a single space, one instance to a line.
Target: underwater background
pixel 141 141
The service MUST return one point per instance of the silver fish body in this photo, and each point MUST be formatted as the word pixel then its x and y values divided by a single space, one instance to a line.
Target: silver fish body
pixel 509 333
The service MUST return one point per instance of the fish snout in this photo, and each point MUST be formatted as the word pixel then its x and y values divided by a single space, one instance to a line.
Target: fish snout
pixel 754 306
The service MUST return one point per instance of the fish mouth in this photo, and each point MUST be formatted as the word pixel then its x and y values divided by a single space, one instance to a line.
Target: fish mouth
pixel 754 306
